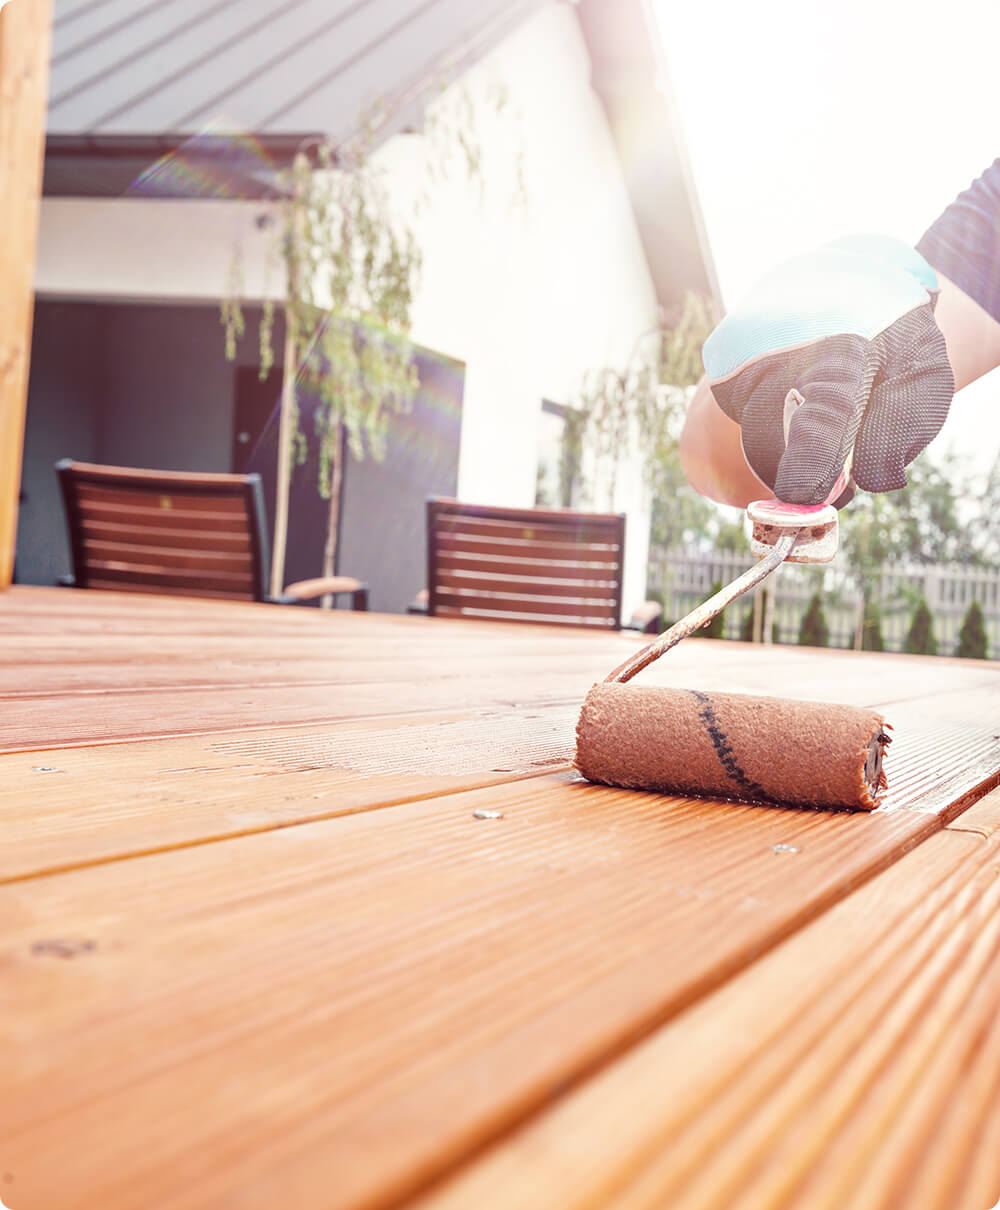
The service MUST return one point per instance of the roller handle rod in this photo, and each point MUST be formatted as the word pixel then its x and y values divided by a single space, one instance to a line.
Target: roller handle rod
pixel 704 612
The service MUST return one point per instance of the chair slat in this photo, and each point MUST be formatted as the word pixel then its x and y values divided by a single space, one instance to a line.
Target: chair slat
pixel 162 556
pixel 566 552
pixel 530 531
pixel 160 589
pixel 579 590
pixel 534 619
pixel 164 498
pixel 526 604
pixel 219 522
pixel 525 564
pixel 168 537
pixel 550 569
pixel 169 577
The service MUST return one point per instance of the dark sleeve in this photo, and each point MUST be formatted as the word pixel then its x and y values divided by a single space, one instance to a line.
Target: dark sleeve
pixel 964 243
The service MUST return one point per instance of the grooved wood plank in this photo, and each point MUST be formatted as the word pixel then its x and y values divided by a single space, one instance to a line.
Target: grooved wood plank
pixel 64 807
pixel 361 1001
pixel 358 1003
pixel 855 1065
pixel 210 666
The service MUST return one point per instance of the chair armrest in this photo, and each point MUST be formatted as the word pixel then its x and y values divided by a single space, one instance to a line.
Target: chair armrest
pixel 309 590
pixel 66 582
pixel 646 618
pixel 420 603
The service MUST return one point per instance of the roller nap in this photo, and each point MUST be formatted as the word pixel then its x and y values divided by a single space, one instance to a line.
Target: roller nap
pixel 724 745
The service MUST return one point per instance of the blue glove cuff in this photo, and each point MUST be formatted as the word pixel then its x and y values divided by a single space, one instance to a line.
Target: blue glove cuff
pixel 859 285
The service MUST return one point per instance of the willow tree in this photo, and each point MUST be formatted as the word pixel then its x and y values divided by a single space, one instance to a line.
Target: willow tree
pixel 641 404
pixel 350 263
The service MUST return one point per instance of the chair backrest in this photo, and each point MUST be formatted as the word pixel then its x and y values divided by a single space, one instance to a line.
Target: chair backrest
pixel 525 564
pixel 165 531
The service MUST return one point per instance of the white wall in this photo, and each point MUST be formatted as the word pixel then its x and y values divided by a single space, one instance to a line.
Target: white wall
pixel 529 297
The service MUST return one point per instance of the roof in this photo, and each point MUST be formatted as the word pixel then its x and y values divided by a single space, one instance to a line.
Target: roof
pixel 629 73
pixel 121 67
pixel 133 80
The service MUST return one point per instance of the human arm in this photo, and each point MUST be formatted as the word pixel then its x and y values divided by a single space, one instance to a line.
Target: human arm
pixel 963 247
pixel 710 448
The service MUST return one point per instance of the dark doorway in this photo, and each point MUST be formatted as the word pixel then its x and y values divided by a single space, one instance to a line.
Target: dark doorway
pixel 254 401
pixel 382 515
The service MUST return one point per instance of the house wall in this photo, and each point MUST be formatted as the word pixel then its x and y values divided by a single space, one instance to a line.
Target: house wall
pixel 169 389
pixel 126 385
pixel 531 294
pixel 67 365
pixel 528 297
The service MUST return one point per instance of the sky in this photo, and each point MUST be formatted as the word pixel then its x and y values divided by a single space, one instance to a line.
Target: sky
pixel 807 120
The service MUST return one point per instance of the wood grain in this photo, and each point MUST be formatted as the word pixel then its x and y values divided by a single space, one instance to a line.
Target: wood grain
pixel 856 1065
pixel 24 60
pixel 364 1000
pixel 335 931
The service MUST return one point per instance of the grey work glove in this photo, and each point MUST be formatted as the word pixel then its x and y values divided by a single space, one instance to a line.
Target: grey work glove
pixel 835 357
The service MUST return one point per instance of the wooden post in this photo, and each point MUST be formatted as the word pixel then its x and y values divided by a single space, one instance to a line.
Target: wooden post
pixel 767 622
pixel 24 59
pixel 284 459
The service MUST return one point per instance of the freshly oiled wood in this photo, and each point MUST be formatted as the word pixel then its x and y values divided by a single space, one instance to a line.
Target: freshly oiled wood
pixel 60 808
pixel 356 1005
pixel 24 53
pixel 73 809
pixel 856 1065
pixel 203 666
pixel 353 1005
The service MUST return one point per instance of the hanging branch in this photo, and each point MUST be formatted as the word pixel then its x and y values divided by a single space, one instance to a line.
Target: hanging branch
pixel 351 268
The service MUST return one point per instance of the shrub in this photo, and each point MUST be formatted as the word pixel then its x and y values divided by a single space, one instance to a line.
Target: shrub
pixel 920 638
pixel 814 631
pixel 871 629
pixel 972 643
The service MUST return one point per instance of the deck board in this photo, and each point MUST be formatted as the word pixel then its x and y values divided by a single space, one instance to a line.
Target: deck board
pixel 375 995
pixel 856 1065
pixel 251 929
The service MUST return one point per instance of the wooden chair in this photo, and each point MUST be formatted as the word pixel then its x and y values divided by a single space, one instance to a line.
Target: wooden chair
pixel 176 532
pixel 528 565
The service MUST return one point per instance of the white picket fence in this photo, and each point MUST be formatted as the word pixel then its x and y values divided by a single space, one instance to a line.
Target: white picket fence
pixel 685 577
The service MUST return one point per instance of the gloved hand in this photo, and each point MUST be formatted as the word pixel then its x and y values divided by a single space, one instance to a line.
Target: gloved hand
pixel 835 353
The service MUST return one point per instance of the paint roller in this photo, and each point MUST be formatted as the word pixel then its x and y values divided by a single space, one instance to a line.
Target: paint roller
pixel 726 745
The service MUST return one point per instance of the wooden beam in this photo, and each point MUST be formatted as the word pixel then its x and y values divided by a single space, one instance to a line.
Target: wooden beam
pixel 24 58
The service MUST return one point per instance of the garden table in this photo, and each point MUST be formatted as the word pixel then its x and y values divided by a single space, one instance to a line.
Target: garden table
pixel 309 909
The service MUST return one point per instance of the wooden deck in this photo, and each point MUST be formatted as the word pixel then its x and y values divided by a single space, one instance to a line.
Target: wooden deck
pixel 310 910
